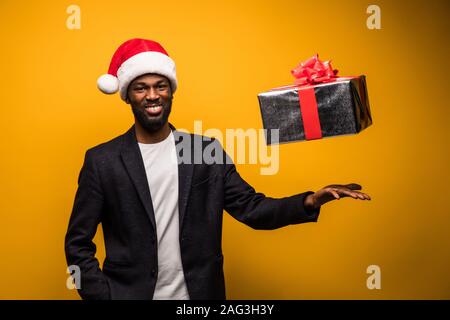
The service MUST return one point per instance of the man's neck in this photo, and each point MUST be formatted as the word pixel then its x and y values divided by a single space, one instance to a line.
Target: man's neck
pixel 143 136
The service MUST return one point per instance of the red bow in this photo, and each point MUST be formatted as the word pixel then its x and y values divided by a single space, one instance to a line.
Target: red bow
pixel 313 71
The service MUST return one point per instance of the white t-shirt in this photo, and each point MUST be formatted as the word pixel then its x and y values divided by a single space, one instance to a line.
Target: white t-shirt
pixel 161 167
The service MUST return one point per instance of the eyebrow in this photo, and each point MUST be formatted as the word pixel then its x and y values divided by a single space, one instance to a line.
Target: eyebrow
pixel 158 82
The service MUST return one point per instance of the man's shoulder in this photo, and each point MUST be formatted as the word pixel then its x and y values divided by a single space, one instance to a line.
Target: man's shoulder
pixel 187 140
pixel 183 136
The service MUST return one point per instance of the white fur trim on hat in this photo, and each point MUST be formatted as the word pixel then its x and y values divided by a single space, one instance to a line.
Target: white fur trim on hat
pixel 143 63
pixel 108 84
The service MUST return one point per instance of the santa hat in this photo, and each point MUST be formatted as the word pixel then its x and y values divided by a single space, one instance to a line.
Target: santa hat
pixel 135 58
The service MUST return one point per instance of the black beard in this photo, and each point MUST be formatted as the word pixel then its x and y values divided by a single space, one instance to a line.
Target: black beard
pixel 152 125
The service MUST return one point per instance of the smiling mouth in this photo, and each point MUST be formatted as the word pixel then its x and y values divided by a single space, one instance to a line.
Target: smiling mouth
pixel 154 110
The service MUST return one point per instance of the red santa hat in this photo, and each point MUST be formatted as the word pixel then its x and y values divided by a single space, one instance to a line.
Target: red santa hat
pixel 135 58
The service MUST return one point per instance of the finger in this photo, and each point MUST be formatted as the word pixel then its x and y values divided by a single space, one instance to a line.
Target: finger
pixel 335 194
pixel 348 193
pixel 353 186
pixel 361 195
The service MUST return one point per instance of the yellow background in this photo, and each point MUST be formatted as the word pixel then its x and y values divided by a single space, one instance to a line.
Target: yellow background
pixel 227 52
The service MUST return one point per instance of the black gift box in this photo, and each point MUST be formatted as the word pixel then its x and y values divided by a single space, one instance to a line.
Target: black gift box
pixel 342 107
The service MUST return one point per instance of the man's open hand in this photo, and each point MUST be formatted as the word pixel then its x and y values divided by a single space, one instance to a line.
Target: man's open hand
pixel 333 192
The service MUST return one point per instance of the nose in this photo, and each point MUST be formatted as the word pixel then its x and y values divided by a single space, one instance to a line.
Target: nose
pixel 152 94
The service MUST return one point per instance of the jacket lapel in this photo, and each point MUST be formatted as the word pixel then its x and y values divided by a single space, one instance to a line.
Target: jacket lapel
pixel 185 171
pixel 132 159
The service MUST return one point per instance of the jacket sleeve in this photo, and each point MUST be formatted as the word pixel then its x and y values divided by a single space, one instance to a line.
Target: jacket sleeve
pixel 258 211
pixel 85 217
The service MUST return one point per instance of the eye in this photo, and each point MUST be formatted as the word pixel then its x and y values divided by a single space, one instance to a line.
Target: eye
pixel 139 89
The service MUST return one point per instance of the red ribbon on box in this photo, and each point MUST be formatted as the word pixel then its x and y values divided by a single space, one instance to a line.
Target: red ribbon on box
pixel 308 73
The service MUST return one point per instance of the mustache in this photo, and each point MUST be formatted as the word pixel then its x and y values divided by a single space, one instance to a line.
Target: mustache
pixel 154 103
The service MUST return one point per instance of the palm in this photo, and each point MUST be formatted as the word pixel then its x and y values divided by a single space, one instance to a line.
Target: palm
pixel 337 191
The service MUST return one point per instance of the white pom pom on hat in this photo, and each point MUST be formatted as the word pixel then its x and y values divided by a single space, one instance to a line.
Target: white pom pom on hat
pixel 135 58
pixel 108 84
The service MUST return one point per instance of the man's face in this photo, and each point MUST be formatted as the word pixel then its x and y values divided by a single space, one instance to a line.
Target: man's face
pixel 150 97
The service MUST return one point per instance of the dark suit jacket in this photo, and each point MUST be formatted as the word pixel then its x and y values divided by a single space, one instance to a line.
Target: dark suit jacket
pixel 113 190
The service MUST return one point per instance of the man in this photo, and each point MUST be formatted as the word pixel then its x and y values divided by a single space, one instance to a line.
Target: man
pixel 162 217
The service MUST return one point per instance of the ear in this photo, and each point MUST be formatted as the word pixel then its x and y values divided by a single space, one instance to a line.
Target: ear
pixel 171 92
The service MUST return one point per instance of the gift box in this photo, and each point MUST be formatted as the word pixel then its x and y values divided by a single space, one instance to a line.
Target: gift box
pixel 319 104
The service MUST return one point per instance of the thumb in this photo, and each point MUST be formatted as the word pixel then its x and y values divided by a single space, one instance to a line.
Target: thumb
pixel 353 186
